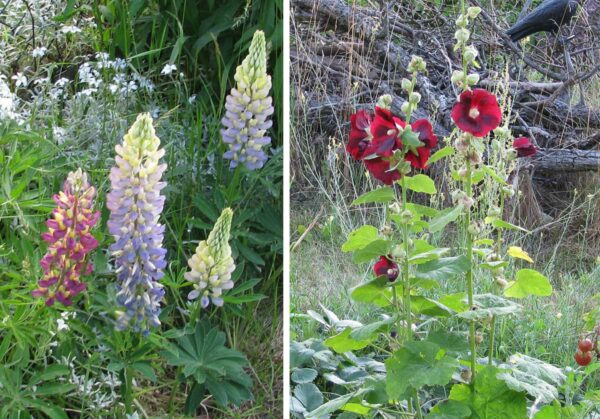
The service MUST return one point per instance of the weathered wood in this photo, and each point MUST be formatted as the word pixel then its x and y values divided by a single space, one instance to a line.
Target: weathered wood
pixel 567 160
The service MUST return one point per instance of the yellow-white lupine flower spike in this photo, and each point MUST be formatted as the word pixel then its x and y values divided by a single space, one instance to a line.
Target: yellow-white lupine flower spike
pixel 248 109
pixel 212 265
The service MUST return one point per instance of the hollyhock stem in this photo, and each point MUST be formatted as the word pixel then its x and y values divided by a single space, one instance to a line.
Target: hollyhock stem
pixel 493 322
pixel 469 275
pixel 405 267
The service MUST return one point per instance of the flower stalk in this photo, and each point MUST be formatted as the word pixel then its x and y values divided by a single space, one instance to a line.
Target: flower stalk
pixel 69 241
pixel 135 203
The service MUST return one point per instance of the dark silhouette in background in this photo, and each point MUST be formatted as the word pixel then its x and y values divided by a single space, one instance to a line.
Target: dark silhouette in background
pixel 547 17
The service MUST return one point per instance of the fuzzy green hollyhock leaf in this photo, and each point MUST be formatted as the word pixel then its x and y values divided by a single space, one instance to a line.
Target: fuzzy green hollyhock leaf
pixel 440 154
pixel 487 305
pixel 359 239
pixel 443 268
pixel 444 218
pixel 376 292
pixel 529 282
pixel 343 342
pixel 421 183
pixel 418 364
pixel 490 397
pixel 380 195
pixel 449 409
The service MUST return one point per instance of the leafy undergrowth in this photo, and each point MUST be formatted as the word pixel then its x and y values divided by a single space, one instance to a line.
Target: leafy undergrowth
pixel 74 77
pixel 455 317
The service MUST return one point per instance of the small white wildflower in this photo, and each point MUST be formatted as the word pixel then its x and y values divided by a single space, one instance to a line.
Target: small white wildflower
pixel 168 69
pixel 20 80
pixel 39 52
pixel 62 325
pixel 192 99
pixel 70 29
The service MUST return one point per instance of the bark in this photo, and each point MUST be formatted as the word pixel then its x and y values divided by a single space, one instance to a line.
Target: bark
pixel 567 160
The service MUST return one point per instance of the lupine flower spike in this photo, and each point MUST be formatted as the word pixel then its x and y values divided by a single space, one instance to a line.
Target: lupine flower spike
pixel 135 205
pixel 212 265
pixel 69 241
pixel 248 109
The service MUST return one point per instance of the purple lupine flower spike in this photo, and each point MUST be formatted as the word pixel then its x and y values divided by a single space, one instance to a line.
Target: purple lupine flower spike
pixel 248 109
pixel 135 205
pixel 69 242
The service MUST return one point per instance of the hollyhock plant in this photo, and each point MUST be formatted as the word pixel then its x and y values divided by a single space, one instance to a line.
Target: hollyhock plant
pixel 248 109
pixel 385 266
pixel 135 205
pixel 69 241
pixel 212 265
pixel 477 112
pixel 360 134
pixel 524 147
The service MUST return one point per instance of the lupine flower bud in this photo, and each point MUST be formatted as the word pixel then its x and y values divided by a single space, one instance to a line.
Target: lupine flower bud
pixel 69 241
pixel 248 109
pixel 135 205
pixel 212 265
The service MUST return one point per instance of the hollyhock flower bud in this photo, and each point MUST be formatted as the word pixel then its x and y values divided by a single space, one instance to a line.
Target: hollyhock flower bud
pixel 69 241
pixel 462 172
pixel 212 265
pixel 462 144
pixel 406 85
pixel 501 282
pixel 472 79
pixel 458 77
pixel 414 98
pixel 462 21
pixel 470 54
pixel 406 108
pixel 473 12
pixel 135 205
pixel 385 102
pixel 249 107
pixel 417 65
pixel 462 35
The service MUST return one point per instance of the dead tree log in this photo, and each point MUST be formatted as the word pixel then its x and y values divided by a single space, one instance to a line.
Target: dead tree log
pixel 567 160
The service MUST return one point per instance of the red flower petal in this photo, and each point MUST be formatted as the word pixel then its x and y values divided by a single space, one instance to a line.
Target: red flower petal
pixel 524 147
pixel 477 112
pixel 380 169
pixel 360 123
pixel 386 267
pixel 384 130
pixel 425 132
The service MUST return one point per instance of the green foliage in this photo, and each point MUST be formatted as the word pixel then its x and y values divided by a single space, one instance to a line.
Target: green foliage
pixel 418 364
pixel 214 367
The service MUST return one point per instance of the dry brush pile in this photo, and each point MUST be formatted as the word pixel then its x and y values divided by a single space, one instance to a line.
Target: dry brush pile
pixel 345 54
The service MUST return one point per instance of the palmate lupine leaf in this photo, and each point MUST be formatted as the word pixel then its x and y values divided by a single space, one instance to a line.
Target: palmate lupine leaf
pixel 216 368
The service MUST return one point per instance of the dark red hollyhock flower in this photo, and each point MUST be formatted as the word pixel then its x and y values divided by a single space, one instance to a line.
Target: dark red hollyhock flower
pixel 384 129
pixel 477 112
pixel 418 158
pixel 386 267
pixel 524 147
pixel 379 167
pixel 360 124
